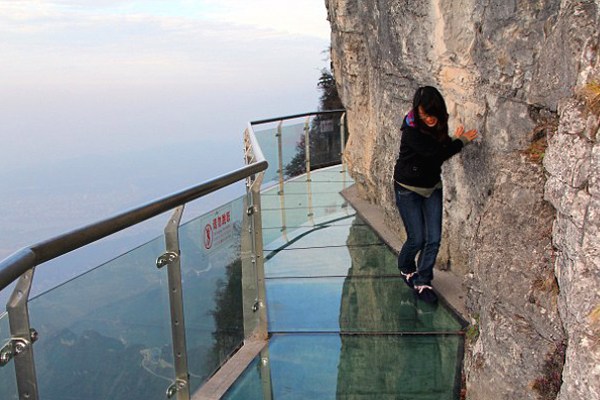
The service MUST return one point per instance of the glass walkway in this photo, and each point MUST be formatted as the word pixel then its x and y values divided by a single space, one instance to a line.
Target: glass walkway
pixel 342 323
pixel 289 261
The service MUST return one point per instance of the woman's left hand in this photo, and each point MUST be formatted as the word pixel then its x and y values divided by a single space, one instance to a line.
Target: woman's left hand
pixel 469 135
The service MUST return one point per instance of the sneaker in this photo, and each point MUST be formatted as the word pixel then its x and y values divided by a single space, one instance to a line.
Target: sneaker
pixel 425 293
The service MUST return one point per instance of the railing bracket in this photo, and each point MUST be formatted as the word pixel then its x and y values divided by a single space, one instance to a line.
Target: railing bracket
pixel 251 210
pixel 15 347
pixel 166 259
pixel 176 387
pixel 7 353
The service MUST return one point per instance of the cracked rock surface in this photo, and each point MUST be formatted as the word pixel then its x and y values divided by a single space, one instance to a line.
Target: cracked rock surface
pixel 522 203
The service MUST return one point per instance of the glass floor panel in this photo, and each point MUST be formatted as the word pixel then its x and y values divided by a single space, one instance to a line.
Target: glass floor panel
pixel 290 231
pixel 325 235
pixel 295 201
pixel 282 225
pixel 308 263
pixel 334 183
pixel 331 366
pixel 303 216
pixel 377 260
pixel 332 174
pixel 354 304
pixel 299 187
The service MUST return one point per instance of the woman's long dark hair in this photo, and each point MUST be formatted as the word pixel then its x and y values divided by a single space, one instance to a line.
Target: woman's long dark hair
pixel 433 104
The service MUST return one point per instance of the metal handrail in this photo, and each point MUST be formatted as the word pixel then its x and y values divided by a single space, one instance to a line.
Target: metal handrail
pixel 265 121
pixel 19 262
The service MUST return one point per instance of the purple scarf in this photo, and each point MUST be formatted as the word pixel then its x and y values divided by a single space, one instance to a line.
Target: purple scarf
pixel 410 119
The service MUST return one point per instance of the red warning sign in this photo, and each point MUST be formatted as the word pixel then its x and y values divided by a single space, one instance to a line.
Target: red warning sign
pixel 208 236
pixel 218 228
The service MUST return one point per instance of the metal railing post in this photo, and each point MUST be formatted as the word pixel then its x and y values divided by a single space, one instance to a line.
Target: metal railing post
pixel 265 374
pixel 280 155
pixel 22 336
pixel 249 289
pixel 307 147
pixel 281 192
pixel 254 212
pixel 308 179
pixel 343 141
pixel 253 273
pixel 180 389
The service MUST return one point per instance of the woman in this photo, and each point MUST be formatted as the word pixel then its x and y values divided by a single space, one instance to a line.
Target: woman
pixel 424 147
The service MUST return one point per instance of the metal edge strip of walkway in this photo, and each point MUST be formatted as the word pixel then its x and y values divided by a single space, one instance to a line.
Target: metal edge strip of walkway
pixel 225 377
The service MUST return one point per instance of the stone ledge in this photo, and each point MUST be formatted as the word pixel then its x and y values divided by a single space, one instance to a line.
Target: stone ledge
pixel 447 284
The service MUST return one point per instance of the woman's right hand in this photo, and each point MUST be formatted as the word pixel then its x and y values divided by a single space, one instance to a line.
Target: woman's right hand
pixel 469 135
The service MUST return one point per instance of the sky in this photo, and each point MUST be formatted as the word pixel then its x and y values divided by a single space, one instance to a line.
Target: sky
pixel 111 73
pixel 106 104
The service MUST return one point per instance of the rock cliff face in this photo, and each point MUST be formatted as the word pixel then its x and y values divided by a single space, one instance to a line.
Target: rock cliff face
pixel 522 204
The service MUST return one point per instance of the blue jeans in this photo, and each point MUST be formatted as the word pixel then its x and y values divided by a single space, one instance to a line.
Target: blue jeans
pixel 422 218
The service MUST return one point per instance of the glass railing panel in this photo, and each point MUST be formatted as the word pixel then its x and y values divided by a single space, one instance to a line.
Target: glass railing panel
pixel 353 304
pixel 325 140
pixel 324 145
pixel 212 288
pixel 292 135
pixel 106 334
pixel 330 366
pixel 8 384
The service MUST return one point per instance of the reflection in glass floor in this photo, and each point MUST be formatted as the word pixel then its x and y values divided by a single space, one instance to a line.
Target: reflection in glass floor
pixel 343 324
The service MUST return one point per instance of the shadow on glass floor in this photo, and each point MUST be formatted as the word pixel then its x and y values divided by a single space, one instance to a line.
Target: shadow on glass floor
pixel 343 324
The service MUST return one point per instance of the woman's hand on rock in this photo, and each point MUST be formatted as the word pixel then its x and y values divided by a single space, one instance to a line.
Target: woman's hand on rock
pixel 469 135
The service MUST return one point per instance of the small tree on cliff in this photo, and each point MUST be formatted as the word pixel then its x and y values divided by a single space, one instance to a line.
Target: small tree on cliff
pixel 330 99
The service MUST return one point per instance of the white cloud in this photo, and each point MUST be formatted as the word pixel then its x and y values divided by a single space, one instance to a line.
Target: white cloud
pixel 133 41
pixel 305 17
pixel 302 18
pixel 69 67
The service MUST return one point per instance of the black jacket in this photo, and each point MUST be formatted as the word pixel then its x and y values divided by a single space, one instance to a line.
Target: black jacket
pixel 421 157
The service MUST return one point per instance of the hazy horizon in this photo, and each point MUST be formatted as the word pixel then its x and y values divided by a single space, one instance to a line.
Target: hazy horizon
pixel 108 104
